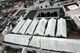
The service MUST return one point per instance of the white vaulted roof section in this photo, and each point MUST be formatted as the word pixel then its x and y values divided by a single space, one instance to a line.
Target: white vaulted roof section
pixel 61 28
pixel 32 26
pixel 25 26
pixel 41 27
pixel 51 27
pixel 18 26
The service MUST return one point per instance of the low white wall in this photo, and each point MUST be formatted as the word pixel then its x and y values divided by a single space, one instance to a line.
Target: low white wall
pixel 58 44
pixel 17 39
